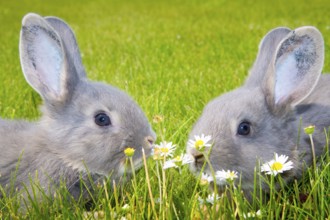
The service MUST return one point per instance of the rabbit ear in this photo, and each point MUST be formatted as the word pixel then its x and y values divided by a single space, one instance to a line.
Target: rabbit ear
pixel 44 61
pixel 267 48
pixel 296 67
pixel 69 40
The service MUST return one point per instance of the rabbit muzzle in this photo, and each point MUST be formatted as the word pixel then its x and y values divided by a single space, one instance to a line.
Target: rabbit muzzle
pixel 199 160
pixel 137 159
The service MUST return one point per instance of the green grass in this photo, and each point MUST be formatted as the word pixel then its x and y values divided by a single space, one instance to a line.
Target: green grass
pixel 172 57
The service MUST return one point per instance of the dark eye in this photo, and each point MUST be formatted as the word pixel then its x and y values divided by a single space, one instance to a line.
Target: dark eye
pixel 244 128
pixel 102 119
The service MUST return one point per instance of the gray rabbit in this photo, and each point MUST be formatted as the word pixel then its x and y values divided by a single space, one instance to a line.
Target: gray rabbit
pixel 281 96
pixel 85 126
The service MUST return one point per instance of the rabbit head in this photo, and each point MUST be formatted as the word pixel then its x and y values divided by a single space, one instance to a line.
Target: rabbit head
pixel 248 125
pixel 86 124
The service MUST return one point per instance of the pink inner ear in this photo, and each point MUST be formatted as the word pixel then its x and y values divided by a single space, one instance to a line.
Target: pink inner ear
pixel 49 61
pixel 286 77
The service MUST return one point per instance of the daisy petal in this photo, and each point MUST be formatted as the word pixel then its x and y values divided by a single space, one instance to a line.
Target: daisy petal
pixel 277 165
pixel 169 164
pixel 200 142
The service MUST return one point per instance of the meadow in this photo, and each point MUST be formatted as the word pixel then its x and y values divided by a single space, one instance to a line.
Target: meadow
pixel 172 57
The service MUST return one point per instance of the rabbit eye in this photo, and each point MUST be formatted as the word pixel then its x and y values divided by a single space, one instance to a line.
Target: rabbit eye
pixel 244 128
pixel 102 119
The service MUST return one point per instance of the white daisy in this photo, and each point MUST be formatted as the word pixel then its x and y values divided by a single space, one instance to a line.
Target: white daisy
pixel 169 164
pixel 163 150
pixel 205 179
pixel 179 161
pixel 211 198
pixel 187 158
pixel 200 142
pixel 277 165
pixel 201 200
pixel 223 176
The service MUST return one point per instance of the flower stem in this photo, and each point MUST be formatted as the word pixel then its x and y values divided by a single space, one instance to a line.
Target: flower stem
pixel 313 150
pixel 133 173
pixel 214 179
pixel 149 185
pixel 212 171
pixel 159 183
pixel 164 191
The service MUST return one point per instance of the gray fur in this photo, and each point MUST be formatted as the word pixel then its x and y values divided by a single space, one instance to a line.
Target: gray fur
pixel 282 90
pixel 66 142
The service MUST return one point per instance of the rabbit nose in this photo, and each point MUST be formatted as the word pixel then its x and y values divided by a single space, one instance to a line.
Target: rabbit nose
pixel 199 158
pixel 150 141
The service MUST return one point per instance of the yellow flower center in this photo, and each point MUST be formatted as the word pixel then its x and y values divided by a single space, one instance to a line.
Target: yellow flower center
pixel 129 152
pixel 164 150
pixel 231 174
pixel 178 159
pixel 199 144
pixel 277 166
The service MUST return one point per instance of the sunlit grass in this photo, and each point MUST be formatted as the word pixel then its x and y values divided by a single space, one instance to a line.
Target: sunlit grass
pixel 159 196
